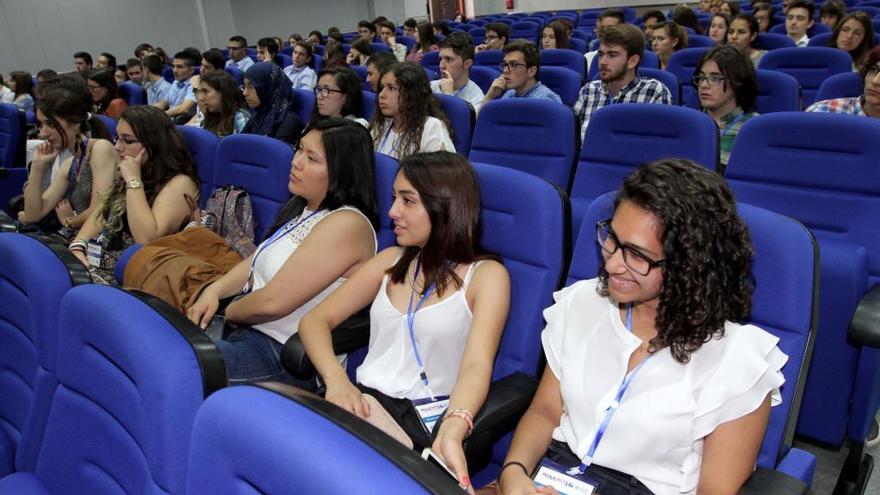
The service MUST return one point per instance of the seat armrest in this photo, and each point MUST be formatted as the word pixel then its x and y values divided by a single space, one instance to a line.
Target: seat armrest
pixel 864 328
pixel 351 335
pixel 7 223
pixel 764 481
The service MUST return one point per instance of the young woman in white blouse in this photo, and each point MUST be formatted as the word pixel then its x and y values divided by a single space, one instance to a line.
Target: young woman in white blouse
pixel 439 304
pixel 408 119
pixel 650 385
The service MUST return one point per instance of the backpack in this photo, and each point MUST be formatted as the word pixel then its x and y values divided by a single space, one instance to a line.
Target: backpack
pixel 229 214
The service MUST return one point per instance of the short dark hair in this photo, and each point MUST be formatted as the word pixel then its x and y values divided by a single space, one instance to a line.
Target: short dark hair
pixel 367 24
pixel 111 60
pixel 833 7
pixel 654 14
pixel 387 25
pixel 187 58
pixel 215 57
pixel 500 28
pixel 529 50
pixel 363 46
pixel 143 47
pixel 382 61
pixel 350 85
pixel 269 44
pixel 738 71
pixel 240 40
pixel 626 35
pixel 871 58
pixel 133 62
pixel 410 23
pixel 378 20
pixel 617 13
pixel 460 43
pixel 336 36
pixel 296 37
pixel 85 56
pixel 333 29
pixel 317 33
pixel 443 27
pixel 194 53
pixel 46 74
pixel 803 4
pixel 305 46
pixel 153 64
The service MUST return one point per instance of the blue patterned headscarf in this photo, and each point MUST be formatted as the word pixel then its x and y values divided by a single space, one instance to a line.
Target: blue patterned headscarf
pixel 273 88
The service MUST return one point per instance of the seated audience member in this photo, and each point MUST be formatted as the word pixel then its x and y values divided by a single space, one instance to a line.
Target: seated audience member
pixel 300 74
pixel 409 27
pixel 315 38
pixel 719 25
pixel 868 104
pixel 212 60
pixel 620 53
pixel 335 36
pixel 718 377
pixel 120 75
pixel 180 102
pixel 798 19
pixel 143 50
pixel 156 85
pixel 388 36
pixel 148 198
pixel 425 42
pixel 519 75
pixel 224 108
pixel 75 152
pixel 82 61
pixel 333 30
pixel 377 64
pixel 199 117
pixel 456 60
pixel 650 20
pixel 608 18
pixel 715 6
pixel 105 61
pixel 6 94
pixel 685 17
pixel 763 14
pixel 21 86
pixel 441 28
pixel 328 232
pixel 338 94
pixel 727 85
pixel 742 34
pixel 105 93
pixel 267 92
pixel 334 55
pixel 832 12
pixel 408 119
pixel 359 52
pixel 378 20
pixel 496 36
pixel 366 30
pixel 238 53
pixel 729 8
pixel 267 50
pixel 703 7
pixel 438 264
pixel 669 37
pixel 134 70
pixel 294 38
pixel 854 34
pixel 554 35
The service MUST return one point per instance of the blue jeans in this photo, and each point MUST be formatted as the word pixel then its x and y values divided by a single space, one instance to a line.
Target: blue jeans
pixel 252 356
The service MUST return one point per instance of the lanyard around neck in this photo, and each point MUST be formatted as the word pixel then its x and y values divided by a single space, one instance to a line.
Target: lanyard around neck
pixel 410 321
pixel 283 231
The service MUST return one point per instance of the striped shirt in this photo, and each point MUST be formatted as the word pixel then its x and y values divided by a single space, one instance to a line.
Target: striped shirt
pixel 595 95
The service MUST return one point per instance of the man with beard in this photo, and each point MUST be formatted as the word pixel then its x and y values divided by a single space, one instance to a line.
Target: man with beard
pixel 620 52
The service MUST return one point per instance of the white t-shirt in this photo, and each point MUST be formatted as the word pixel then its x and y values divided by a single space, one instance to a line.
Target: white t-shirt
pixel 273 257
pixel 6 95
pixel 435 137
pixel 669 408
pixel 470 93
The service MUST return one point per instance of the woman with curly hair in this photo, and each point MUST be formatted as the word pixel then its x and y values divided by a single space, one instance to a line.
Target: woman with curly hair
pixel 653 383
pixel 408 119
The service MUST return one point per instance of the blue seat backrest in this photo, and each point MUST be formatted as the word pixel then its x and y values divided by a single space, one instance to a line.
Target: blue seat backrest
pixel 368 104
pixel 431 60
pixel 682 63
pixel 246 436
pixel 168 73
pixel 304 104
pixel 463 118
pixel 202 145
pixel 778 92
pixel 287 50
pixel 11 134
pixel 110 122
pixel 649 61
pixel 478 34
pixel 489 58
pixel 380 47
pixel 700 41
pixel 262 166
pixel 386 171
pixel 525 30
pixel 667 78
pixel 283 60
pixel 133 94
pixel 581 34
pixel 528 134
pixel 361 72
pixel 782 302
pixel 846 85
pixel 809 65
pixel 578 45
pixel 622 137
pixel 570 59
pixel 236 73
pixel 484 76
pixel 408 41
pixel 564 82
pixel 130 382
pixel 871 10
pixel 817 29
pixel 772 41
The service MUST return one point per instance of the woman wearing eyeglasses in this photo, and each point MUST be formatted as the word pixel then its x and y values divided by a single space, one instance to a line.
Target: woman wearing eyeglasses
pixel 338 94
pixel 105 93
pixel 651 385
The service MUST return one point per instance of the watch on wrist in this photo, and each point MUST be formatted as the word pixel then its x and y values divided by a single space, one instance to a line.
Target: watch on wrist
pixel 134 184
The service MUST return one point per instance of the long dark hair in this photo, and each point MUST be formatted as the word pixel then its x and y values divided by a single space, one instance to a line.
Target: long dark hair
pixel 426 37
pixel 222 123
pixel 450 193
pixel 105 79
pixel 351 167
pixel 23 82
pixel 62 100
pixel 707 270
pixel 859 52
pixel 350 85
pixel 560 33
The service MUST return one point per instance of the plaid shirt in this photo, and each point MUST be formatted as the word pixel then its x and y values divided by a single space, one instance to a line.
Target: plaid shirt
pixel 849 106
pixel 729 129
pixel 595 95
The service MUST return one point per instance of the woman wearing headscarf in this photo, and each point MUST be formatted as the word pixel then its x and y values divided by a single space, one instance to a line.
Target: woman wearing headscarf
pixel 267 91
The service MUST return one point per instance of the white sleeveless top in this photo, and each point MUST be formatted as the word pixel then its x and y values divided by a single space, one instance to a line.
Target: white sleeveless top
pixel 441 332
pixel 273 257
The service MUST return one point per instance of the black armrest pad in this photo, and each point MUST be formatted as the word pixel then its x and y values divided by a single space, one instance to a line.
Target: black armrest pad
pixel 349 336
pixel 765 481
pixel 7 223
pixel 864 329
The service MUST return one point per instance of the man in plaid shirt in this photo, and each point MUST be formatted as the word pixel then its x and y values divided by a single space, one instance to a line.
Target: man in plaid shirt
pixel 620 52
pixel 868 104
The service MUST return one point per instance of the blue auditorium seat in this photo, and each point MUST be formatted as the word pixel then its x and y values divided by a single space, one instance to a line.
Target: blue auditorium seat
pixel 700 41
pixel 809 65
pixel 846 85
pixel 525 30
pixel 825 175
pixel 202 145
pixel 535 136
pixel 368 104
pixel 463 117
pixel 570 59
pixel 110 122
pixel 283 60
pixel 772 41
pixel 261 165
pixel 277 439
pixel 622 137
pixel 431 60
pixel 11 135
pixel 386 171
pixel 133 94
pixel 408 41
pixel 304 104
pixel 168 73
pixel 578 45
pixel 784 267
pixel 564 82
pixel 778 92
pixel 478 34
pixel 132 372
pixel 489 58
pixel 683 64
pixel 236 73
pixel 29 328
pixel 484 76
pixel 380 47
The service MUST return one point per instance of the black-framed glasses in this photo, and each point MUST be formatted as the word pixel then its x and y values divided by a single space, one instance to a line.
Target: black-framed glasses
pixel 512 66
pixel 712 79
pixel 324 91
pixel 632 258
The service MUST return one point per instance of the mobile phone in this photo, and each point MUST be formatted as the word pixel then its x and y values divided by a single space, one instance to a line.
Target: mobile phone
pixel 433 459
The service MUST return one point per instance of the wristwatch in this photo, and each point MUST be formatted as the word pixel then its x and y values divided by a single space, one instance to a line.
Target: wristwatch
pixel 134 184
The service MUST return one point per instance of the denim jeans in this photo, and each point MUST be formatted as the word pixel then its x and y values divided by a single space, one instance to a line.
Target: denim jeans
pixel 252 356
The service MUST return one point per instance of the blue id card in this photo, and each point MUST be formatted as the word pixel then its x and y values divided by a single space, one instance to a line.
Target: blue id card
pixel 431 410
pixel 556 475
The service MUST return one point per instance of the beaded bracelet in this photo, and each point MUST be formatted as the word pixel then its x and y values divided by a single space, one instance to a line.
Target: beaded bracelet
pixel 466 416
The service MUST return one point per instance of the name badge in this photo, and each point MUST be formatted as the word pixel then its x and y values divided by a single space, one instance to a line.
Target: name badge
pixel 430 411
pixel 94 253
pixel 555 475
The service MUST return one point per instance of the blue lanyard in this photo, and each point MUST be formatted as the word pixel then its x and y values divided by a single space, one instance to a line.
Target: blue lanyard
pixel 77 159
pixel 385 139
pixel 609 413
pixel 410 321
pixel 729 126
pixel 283 231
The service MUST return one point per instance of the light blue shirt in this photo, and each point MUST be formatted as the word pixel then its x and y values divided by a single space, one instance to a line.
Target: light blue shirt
pixel 301 77
pixel 179 92
pixel 538 91
pixel 244 64
pixel 157 91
